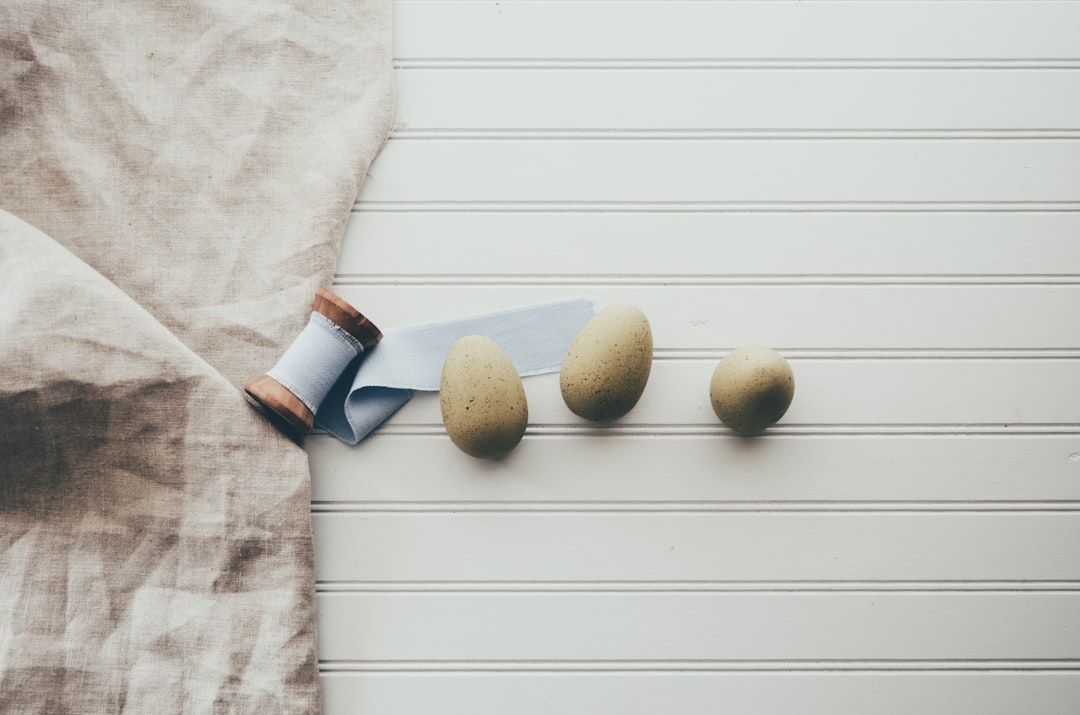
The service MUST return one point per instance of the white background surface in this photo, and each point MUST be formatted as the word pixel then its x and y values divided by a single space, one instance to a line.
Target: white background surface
pixel 886 192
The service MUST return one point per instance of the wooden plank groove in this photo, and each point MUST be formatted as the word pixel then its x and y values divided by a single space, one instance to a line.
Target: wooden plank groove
pixel 719 207
pixel 717 432
pixel 623 135
pixel 783 317
pixel 361 509
pixel 773 103
pixel 712 64
pixel 670 29
pixel 612 467
pixel 701 665
pixel 393 244
pixel 611 586
pixel 742 693
pixel 746 171
pixel 704 280
pixel 755 546
pixel 538 628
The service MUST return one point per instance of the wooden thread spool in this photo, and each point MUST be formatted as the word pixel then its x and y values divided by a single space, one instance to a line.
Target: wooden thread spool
pixel 295 387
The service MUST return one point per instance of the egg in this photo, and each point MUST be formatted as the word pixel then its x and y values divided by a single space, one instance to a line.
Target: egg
pixel 482 399
pixel 608 364
pixel 751 389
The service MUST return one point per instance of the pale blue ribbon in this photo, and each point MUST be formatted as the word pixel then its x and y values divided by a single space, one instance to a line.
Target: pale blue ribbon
pixel 382 379
pixel 315 360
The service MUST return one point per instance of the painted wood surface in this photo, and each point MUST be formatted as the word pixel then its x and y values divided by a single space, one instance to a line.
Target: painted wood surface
pixel 889 194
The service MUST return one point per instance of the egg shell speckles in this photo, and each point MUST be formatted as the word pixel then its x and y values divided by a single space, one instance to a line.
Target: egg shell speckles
pixel 608 364
pixel 751 389
pixel 483 401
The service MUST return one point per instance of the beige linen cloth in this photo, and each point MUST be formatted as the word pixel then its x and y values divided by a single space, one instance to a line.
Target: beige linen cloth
pixel 175 178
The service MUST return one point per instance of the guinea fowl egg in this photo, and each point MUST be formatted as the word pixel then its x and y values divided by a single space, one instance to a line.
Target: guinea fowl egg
pixel 751 389
pixel 608 364
pixel 482 399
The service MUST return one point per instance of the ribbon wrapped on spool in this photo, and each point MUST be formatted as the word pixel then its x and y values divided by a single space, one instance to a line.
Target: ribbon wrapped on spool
pixel 336 334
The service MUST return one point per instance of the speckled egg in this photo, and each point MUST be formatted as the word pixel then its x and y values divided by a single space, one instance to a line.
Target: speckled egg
pixel 751 389
pixel 482 399
pixel 608 364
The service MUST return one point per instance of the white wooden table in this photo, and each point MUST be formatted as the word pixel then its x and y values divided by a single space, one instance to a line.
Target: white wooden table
pixel 886 192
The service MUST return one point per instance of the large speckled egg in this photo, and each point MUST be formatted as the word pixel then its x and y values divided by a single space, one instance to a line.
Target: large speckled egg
pixel 751 389
pixel 482 399
pixel 608 364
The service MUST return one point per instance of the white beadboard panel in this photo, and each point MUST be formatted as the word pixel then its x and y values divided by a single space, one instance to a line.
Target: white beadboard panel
pixel 889 194
pixel 786 317
pixel 662 171
pixel 828 100
pixel 697 626
pixel 775 470
pixel 990 393
pixel 527 545
pixel 666 29
pixel 682 693
pixel 402 244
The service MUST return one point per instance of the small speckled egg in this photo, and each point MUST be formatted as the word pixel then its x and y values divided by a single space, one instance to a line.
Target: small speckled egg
pixel 608 364
pixel 482 399
pixel 751 389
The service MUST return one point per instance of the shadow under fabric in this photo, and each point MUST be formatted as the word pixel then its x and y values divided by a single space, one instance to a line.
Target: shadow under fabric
pixel 175 179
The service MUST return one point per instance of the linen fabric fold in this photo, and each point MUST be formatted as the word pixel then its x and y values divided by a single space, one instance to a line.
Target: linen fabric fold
pixel 175 179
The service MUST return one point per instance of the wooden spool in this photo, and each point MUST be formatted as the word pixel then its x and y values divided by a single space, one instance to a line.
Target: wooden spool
pixel 294 415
